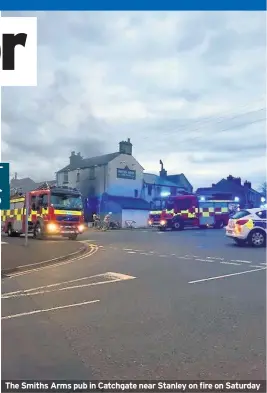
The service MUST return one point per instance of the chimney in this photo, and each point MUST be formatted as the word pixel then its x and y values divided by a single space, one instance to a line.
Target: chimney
pixel 230 177
pixel 163 173
pixel 16 176
pixel 75 160
pixel 125 147
pixel 247 184
pixel 237 180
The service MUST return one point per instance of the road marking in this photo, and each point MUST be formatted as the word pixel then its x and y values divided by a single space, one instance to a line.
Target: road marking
pixel 263 263
pixel 127 249
pixel 204 260
pixel 4 243
pixel 138 250
pixel 92 251
pixel 230 263
pixel 256 266
pixel 226 275
pixel 49 309
pixel 238 260
pixel 183 257
pixel 113 277
pixel 216 258
pixel 131 252
pixel 145 253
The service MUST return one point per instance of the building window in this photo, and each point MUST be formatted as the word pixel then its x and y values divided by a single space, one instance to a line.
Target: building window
pixel 136 193
pixel 66 177
pixel 92 173
pixel 149 189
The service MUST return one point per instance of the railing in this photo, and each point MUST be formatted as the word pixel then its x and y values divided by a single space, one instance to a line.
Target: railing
pixel 130 224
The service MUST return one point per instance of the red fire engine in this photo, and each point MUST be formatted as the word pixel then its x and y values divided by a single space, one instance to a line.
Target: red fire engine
pixel 51 211
pixel 182 211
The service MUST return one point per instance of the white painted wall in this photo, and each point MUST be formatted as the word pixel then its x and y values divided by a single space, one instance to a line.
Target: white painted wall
pixel 124 187
pixel 139 216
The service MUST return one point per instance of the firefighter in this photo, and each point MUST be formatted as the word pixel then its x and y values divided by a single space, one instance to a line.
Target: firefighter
pixel 96 220
pixel 107 220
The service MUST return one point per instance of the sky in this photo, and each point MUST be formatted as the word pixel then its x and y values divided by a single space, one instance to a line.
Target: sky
pixel 187 88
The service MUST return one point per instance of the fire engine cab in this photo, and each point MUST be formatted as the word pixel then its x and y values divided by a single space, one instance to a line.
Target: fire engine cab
pixel 182 211
pixel 51 211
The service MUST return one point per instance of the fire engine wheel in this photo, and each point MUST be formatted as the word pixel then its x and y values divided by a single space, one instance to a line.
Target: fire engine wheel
pixel 73 237
pixel 219 225
pixel 178 225
pixel 38 232
pixel 10 231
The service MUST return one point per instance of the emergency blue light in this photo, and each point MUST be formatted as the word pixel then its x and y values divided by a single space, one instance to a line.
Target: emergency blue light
pixel 165 193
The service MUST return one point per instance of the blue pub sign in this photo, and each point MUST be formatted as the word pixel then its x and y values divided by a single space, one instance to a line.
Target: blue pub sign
pixel 126 173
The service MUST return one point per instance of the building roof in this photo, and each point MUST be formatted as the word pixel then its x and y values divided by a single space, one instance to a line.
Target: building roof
pixel 27 184
pixel 151 178
pixel 90 162
pixel 226 186
pixel 129 202
pixel 177 178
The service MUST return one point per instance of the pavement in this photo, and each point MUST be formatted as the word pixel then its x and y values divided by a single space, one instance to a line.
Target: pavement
pixel 143 305
pixel 16 256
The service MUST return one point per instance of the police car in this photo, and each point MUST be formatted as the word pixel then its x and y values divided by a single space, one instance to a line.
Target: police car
pixel 248 226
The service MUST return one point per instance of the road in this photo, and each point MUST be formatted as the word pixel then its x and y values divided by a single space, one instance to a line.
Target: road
pixel 144 305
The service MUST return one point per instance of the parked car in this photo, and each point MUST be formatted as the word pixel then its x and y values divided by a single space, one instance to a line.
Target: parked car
pixel 248 226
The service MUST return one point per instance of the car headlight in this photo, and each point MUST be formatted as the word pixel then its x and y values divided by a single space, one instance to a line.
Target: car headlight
pixel 150 222
pixel 52 227
pixel 163 222
pixel 81 228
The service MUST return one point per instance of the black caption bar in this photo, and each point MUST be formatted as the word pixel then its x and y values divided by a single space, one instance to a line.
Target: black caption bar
pixel 134 386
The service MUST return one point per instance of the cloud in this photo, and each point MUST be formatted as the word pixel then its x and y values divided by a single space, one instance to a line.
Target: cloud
pixel 187 87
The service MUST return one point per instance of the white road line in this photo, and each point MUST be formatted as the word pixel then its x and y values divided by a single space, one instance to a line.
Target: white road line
pixel 255 266
pixel 216 258
pixel 226 275
pixel 4 243
pixel 204 260
pixel 138 250
pixel 145 253
pixel 127 249
pixel 231 263
pixel 183 257
pixel 110 275
pixel 131 252
pixel 263 263
pixel 113 277
pixel 238 260
pixel 49 309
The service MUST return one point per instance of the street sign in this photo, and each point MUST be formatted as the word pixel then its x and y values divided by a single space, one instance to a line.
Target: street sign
pixel 4 186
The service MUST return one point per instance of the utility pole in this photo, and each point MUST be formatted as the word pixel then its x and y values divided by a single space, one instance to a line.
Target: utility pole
pixel 26 217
